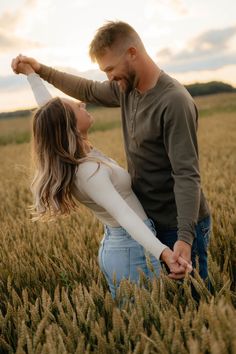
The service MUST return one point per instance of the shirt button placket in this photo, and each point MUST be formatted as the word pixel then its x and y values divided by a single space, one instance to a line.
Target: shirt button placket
pixel 134 111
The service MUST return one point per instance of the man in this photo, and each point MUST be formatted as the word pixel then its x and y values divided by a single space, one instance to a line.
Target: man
pixel 159 120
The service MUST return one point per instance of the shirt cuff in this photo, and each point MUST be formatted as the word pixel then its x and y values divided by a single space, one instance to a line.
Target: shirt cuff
pixel 44 71
pixel 186 236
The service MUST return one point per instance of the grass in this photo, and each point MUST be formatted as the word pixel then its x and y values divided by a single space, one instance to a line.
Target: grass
pixel 17 130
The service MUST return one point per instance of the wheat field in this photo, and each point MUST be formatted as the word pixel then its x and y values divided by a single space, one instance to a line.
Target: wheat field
pixel 54 298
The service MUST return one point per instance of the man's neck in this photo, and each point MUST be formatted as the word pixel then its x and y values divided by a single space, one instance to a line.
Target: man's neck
pixel 148 75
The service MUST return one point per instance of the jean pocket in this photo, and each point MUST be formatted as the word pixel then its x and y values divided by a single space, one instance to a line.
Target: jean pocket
pixel 117 260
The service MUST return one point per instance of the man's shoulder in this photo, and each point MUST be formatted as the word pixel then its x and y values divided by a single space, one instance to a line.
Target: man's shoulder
pixel 173 91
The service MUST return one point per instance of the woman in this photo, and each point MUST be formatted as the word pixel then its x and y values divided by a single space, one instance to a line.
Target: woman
pixel 69 169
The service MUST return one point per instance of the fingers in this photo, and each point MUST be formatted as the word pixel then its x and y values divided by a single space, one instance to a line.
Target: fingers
pixel 177 269
pixel 22 65
pixel 176 276
pixel 184 263
pixel 175 255
pixel 14 64
pixel 189 268
pixel 24 59
pixel 187 265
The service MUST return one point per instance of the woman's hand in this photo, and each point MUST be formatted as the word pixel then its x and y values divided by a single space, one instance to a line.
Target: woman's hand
pixel 24 65
pixel 178 267
pixel 25 69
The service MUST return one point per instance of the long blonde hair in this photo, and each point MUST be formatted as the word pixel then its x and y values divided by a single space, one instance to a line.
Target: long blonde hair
pixel 58 149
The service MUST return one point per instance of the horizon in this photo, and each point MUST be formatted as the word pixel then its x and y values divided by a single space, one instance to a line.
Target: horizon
pixel 27 108
pixel 179 35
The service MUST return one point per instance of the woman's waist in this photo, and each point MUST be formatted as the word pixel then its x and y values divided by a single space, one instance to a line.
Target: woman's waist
pixel 118 231
pixel 107 219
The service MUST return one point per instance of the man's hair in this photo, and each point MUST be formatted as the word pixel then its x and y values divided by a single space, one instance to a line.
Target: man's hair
pixel 110 34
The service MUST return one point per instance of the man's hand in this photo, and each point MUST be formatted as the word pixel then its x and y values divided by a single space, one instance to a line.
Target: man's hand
pixel 178 265
pixel 182 252
pixel 21 59
pixel 25 69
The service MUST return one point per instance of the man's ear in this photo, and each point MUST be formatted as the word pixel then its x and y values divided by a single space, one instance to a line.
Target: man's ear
pixel 132 51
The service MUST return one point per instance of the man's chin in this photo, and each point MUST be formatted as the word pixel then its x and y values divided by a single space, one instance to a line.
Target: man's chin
pixel 124 86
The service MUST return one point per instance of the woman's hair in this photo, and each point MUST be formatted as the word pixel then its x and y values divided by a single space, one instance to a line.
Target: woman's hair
pixel 57 152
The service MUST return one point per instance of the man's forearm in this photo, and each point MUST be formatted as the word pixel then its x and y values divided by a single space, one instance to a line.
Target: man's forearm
pixel 187 197
pixel 103 93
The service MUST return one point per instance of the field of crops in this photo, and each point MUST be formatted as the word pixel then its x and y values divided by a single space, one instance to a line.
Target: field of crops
pixel 54 298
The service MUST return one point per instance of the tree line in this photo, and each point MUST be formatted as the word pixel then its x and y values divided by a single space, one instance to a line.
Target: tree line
pixel 209 88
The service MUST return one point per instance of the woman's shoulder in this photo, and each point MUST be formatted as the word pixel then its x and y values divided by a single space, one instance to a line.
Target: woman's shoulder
pixel 91 167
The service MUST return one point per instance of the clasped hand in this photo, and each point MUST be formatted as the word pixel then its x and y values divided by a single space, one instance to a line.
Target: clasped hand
pixel 24 65
pixel 178 260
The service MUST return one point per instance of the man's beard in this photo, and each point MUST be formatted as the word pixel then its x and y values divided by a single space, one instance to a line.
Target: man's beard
pixel 128 83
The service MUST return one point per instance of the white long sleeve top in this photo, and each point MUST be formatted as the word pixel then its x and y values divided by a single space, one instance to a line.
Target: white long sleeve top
pixel 107 192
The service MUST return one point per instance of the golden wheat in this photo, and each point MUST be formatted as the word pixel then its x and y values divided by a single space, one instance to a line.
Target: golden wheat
pixel 54 298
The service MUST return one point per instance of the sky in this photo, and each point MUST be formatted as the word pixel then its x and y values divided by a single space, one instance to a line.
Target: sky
pixel 192 40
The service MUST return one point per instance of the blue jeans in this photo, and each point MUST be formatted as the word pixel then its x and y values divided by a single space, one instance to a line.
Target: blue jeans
pixel 120 253
pixel 199 246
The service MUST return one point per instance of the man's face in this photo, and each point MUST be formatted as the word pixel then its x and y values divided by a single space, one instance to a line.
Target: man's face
pixel 118 67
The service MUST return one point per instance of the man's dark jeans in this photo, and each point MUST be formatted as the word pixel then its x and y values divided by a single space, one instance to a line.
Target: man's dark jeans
pixel 199 247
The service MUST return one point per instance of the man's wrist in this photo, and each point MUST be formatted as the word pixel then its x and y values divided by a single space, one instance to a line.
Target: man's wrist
pixel 44 71
pixel 187 237
pixel 38 68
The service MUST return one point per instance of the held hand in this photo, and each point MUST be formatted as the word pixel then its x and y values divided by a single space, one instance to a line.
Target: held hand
pixel 177 265
pixel 21 59
pixel 182 254
pixel 25 69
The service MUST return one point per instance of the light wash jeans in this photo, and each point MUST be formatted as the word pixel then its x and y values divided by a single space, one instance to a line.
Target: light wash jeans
pixel 120 253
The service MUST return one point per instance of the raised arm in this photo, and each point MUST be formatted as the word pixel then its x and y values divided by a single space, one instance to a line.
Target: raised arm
pixel 103 93
pixel 101 190
pixel 41 93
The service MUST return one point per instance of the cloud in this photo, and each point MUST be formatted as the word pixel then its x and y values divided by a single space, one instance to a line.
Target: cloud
pixel 212 41
pixel 9 42
pixel 13 83
pixel 9 21
pixel 208 51
pixel 30 2
pixel 179 7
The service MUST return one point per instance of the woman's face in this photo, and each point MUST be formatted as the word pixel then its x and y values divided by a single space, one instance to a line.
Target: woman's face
pixel 83 118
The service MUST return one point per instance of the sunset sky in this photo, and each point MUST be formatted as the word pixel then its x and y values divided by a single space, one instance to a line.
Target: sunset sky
pixel 190 40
